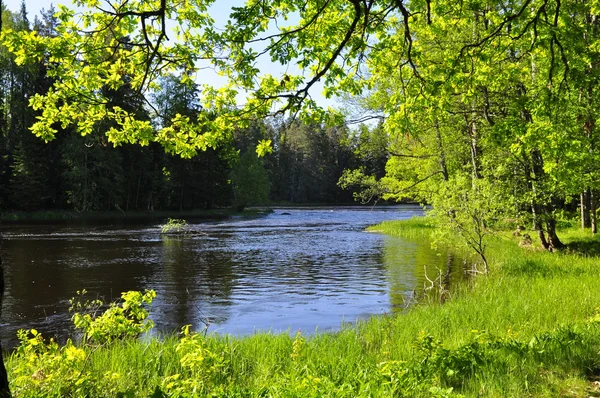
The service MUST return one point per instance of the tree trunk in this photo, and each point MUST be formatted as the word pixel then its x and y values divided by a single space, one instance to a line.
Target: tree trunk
pixel 585 209
pixel 474 146
pixel 553 242
pixel 442 159
pixel 593 220
pixel 537 224
pixel 536 209
pixel 4 388
pixel 582 210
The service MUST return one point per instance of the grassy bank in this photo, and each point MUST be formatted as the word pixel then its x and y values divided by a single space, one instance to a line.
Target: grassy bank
pixel 530 328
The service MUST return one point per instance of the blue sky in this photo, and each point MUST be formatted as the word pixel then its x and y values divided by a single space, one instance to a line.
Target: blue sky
pixel 33 6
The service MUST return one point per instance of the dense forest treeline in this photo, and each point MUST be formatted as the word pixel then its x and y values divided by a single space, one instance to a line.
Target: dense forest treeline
pixel 88 173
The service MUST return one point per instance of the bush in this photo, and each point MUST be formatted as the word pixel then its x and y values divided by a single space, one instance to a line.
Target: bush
pixel 124 319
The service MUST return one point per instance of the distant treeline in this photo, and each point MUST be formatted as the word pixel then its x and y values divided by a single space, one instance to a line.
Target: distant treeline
pixel 90 174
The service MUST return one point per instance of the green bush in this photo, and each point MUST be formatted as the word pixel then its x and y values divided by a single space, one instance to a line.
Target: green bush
pixel 126 318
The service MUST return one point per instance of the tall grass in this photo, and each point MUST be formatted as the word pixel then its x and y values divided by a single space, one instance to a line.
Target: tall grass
pixel 530 328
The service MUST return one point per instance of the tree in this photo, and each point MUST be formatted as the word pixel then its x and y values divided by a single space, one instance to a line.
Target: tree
pixel 201 180
pixel 250 181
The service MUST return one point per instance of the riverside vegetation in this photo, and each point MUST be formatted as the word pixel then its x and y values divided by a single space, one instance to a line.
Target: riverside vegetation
pixel 530 328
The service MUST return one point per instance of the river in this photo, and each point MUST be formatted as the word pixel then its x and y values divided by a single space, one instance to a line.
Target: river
pixel 294 269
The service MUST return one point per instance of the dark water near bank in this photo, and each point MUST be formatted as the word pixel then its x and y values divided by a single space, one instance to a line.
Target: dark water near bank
pixel 312 268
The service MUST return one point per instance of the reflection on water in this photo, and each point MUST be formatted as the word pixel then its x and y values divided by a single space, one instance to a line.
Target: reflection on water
pixel 309 269
pixel 412 266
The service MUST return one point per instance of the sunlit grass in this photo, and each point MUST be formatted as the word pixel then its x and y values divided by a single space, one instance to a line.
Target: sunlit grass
pixel 415 227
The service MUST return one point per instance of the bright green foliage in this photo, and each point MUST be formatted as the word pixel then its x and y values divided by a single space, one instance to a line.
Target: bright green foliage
pixel 470 210
pixel 84 65
pixel 366 188
pixel 47 368
pixel 202 368
pixel 125 319
pixel 175 225
pixel 490 91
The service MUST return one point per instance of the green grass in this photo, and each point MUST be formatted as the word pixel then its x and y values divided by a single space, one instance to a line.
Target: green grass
pixel 530 328
pixel 416 227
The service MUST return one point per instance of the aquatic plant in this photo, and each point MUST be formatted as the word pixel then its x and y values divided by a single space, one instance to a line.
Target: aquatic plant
pixel 175 226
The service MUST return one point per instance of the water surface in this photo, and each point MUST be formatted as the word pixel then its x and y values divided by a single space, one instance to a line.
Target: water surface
pixel 305 270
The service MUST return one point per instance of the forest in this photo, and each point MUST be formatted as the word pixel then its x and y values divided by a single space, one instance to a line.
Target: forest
pixel 88 173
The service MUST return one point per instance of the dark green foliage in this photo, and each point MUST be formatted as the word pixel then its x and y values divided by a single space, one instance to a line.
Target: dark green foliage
pixel 308 162
pixel 92 174
pixel 250 181
pixel 35 179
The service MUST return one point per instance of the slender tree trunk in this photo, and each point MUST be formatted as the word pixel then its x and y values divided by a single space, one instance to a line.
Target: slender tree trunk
pixel 582 210
pixel 536 209
pixel 553 243
pixel 588 207
pixel 474 144
pixel 537 225
pixel 440 146
pixel 584 206
pixel 553 240
pixel 593 220
pixel 537 167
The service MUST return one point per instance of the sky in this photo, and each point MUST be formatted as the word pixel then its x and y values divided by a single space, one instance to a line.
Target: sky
pixel 220 12
pixel 33 6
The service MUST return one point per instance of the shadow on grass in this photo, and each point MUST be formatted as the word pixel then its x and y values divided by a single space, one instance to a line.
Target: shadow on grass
pixel 586 248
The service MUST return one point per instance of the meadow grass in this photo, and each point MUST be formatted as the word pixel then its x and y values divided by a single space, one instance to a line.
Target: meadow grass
pixel 529 328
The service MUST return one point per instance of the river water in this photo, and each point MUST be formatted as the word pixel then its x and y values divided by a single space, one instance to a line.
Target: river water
pixel 295 269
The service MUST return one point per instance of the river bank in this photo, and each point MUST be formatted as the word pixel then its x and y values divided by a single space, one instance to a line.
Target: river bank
pixel 14 216
pixel 530 328
pixel 125 216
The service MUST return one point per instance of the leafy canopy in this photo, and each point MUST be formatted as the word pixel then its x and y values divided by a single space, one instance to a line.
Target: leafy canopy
pixel 100 47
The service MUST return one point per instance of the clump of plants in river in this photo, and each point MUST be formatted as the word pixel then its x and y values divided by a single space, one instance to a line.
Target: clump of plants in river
pixel 175 226
pixel 531 328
